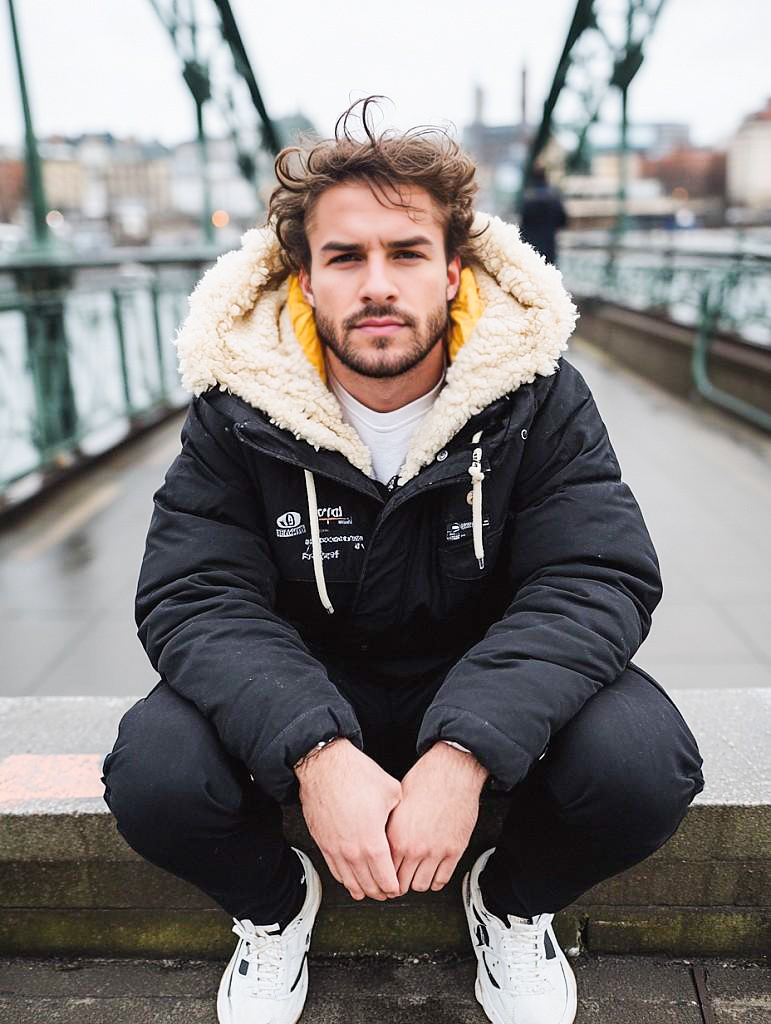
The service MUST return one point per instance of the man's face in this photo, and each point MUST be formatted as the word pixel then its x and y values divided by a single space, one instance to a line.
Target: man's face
pixel 379 281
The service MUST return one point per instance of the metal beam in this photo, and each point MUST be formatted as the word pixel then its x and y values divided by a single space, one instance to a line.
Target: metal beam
pixel 232 37
pixel 627 61
pixel 35 189
pixel 583 18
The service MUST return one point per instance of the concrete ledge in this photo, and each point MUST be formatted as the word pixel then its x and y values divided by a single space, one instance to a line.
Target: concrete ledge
pixel 661 350
pixel 69 884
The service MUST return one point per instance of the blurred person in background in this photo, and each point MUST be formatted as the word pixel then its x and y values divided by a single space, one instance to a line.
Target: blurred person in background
pixel 542 214
pixel 393 564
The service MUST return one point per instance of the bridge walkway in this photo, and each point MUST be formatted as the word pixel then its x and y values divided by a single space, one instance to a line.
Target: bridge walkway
pixel 68 570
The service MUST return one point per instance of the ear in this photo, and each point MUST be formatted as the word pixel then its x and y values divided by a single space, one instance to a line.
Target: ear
pixel 305 284
pixel 453 278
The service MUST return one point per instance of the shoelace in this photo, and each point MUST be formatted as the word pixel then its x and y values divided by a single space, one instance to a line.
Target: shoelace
pixel 263 950
pixel 522 951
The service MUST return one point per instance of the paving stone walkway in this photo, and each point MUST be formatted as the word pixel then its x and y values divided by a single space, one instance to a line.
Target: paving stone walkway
pixel 612 990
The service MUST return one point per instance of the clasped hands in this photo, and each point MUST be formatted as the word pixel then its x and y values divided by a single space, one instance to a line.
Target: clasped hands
pixel 381 837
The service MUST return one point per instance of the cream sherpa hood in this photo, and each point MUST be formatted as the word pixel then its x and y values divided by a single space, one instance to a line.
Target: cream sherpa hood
pixel 239 337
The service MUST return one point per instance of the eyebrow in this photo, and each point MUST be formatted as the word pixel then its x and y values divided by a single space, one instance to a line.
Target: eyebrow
pixel 403 243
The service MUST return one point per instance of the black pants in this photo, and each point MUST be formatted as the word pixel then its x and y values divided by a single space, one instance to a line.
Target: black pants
pixel 612 787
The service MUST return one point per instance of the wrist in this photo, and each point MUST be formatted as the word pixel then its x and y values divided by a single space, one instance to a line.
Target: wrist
pixel 301 766
pixel 461 761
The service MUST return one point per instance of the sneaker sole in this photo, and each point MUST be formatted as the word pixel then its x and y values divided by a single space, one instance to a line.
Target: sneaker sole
pixel 569 1015
pixel 224 1006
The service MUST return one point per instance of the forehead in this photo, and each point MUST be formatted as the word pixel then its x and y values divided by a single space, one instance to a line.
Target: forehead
pixel 354 212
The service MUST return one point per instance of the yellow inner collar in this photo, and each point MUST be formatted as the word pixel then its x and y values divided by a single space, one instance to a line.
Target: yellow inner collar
pixel 465 309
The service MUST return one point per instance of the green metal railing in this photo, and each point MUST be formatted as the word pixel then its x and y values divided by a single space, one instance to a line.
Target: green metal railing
pixel 711 292
pixel 86 353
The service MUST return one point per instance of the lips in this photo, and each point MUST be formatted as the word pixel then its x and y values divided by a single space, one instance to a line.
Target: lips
pixel 380 322
pixel 380 326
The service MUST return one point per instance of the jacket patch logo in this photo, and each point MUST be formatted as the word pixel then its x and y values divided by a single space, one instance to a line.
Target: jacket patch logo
pixel 334 514
pixel 458 531
pixel 289 524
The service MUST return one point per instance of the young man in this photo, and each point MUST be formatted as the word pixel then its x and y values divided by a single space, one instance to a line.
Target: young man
pixel 394 561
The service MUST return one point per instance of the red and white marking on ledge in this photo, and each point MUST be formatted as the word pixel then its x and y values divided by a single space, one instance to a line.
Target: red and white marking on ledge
pixel 27 777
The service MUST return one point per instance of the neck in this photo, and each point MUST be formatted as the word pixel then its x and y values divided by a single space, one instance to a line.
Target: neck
pixel 384 394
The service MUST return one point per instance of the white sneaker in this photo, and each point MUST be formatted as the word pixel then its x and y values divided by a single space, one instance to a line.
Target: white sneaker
pixel 522 974
pixel 266 981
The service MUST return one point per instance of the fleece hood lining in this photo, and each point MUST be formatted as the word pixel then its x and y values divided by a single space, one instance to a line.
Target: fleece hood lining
pixel 239 337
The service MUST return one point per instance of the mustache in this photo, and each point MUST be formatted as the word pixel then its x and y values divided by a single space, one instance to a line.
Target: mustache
pixel 373 310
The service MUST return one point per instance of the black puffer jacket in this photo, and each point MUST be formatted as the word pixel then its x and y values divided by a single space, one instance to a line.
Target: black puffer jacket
pixel 236 585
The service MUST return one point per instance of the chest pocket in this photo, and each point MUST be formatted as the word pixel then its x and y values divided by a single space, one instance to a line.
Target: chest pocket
pixel 457 560
pixel 455 540
pixel 344 529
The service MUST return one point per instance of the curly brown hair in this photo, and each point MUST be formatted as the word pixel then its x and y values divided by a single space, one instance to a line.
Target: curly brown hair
pixel 424 157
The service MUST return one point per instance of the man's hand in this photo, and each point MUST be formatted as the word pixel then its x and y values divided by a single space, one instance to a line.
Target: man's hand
pixel 431 827
pixel 346 800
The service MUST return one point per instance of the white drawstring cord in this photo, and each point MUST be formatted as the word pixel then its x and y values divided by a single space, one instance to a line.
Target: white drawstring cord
pixel 477 476
pixel 318 561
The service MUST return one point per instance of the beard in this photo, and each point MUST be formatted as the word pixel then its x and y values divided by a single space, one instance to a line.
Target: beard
pixel 377 359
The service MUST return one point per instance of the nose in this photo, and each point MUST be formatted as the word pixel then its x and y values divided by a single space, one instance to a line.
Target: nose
pixel 378 285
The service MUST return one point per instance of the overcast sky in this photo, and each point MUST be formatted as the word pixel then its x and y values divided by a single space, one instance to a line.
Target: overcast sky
pixel 96 65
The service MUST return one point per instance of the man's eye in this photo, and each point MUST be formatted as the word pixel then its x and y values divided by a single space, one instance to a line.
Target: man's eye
pixel 409 254
pixel 345 257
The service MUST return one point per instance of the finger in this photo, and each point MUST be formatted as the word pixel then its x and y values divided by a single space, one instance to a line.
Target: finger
pixel 397 868
pixel 367 882
pixel 384 873
pixel 334 869
pixel 424 875
pixel 443 873
pixel 348 878
pixel 406 873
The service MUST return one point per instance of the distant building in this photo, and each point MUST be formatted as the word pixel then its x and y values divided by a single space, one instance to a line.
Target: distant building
pixel 749 162
pixel 11 186
pixel 683 188
pixel 651 138
pixel 133 192
pixel 229 189
pixel 139 173
pixel 665 137
pixel 100 182
pixel 688 172
pixel 499 152
pixel 63 175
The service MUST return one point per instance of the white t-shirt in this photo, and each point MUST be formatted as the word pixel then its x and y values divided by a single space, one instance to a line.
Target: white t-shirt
pixel 386 434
